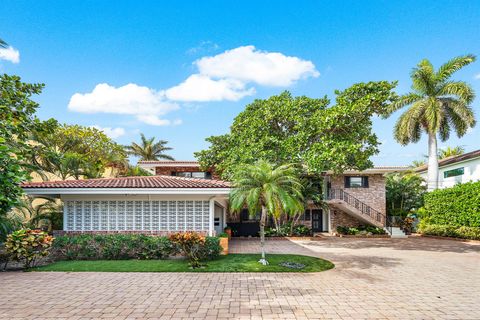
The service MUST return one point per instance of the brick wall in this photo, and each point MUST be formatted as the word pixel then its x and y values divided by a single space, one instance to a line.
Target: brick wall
pixel 373 196
pixel 340 218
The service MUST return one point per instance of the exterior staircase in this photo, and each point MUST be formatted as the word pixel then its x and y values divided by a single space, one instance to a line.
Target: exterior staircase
pixel 345 202
pixel 395 232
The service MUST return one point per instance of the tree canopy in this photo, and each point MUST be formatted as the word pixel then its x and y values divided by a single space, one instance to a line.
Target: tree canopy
pixel 286 129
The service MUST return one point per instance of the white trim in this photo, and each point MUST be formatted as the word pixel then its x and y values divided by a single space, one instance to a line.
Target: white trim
pixel 211 216
pixel 59 191
pixel 450 164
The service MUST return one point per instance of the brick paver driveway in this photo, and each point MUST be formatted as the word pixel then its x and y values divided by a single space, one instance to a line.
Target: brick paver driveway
pixel 414 278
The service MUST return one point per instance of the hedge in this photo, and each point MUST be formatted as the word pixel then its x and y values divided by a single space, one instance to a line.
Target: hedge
pixel 122 246
pixel 458 206
pixel 449 231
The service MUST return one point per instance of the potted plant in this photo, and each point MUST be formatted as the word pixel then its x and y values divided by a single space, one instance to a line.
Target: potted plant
pixel 228 231
pixel 223 237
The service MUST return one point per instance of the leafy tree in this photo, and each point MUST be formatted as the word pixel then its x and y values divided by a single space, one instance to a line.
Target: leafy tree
pixel 149 149
pixel 273 190
pixel 285 129
pixel 17 119
pixel 404 192
pixel 437 105
pixel 73 151
pixel 451 151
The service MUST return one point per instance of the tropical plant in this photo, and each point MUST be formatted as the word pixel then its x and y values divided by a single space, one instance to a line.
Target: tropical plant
pixel 39 213
pixel 17 118
pixel 149 149
pixel 28 246
pixel 437 105
pixel 404 192
pixel 450 152
pixel 417 163
pixel 286 129
pixel 271 190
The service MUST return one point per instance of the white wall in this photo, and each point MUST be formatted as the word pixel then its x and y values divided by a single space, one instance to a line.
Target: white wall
pixel 471 173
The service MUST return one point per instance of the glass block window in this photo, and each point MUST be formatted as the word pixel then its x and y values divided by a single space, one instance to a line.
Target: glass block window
pixel 453 172
pixel 137 215
pixel 121 206
pixel 87 215
pixel 70 215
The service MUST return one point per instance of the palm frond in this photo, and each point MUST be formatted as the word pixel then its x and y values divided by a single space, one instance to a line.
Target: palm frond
pixel 452 66
pixel 458 88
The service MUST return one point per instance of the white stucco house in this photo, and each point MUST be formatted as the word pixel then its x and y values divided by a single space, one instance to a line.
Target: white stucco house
pixel 456 169
pixel 152 204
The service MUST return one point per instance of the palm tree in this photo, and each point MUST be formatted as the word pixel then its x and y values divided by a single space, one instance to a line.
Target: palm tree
pixel 437 105
pixel 451 151
pixel 149 149
pixel 272 190
pixel 46 214
pixel 3 44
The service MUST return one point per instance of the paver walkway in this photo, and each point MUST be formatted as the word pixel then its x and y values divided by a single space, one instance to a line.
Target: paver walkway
pixel 412 278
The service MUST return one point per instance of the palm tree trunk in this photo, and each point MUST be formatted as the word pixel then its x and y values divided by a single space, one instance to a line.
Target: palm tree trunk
pixel 263 219
pixel 432 175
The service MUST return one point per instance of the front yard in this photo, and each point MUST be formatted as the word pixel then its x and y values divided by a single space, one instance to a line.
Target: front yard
pixel 230 263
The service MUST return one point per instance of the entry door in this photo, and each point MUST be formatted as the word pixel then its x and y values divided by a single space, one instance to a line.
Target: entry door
pixel 218 219
pixel 317 220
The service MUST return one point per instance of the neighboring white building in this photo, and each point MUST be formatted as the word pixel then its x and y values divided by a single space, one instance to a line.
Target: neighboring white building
pixel 456 169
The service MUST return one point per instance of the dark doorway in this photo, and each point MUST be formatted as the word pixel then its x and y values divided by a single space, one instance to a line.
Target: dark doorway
pixel 317 220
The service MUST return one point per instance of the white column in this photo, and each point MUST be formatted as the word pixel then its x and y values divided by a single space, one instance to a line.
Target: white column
pixel 64 215
pixel 211 217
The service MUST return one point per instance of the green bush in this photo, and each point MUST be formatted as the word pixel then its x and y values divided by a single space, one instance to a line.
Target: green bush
pixel 211 249
pixel 449 231
pixel 365 230
pixel 112 247
pixel 285 230
pixel 458 206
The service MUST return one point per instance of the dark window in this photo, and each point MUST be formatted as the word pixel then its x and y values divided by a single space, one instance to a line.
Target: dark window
pixel 192 174
pixel 306 215
pixel 356 182
pixel 453 173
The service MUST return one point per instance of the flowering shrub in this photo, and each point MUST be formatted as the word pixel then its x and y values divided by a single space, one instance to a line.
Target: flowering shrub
pixel 196 247
pixel 27 246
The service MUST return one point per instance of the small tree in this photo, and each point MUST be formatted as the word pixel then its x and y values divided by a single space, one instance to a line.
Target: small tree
pixel 271 190
pixel 404 192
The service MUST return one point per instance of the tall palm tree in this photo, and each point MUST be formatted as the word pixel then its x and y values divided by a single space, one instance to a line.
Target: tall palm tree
pixel 437 105
pixel 261 187
pixel 451 151
pixel 149 149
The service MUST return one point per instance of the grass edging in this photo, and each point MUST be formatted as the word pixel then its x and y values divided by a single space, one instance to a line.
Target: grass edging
pixel 229 263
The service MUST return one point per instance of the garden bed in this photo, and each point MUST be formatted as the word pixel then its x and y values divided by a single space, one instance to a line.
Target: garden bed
pixel 382 236
pixel 230 263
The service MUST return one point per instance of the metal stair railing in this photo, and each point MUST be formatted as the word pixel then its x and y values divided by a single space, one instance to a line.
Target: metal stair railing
pixel 365 209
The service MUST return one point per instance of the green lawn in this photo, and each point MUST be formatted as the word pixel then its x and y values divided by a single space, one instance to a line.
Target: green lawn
pixel 229 263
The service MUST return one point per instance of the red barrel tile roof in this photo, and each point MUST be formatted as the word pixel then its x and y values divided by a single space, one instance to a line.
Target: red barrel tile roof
pixel 131 182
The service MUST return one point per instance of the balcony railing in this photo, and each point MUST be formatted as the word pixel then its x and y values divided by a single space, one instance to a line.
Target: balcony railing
pixel 365 209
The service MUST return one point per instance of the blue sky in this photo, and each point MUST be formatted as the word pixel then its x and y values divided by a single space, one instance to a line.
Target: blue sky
pixel 193 66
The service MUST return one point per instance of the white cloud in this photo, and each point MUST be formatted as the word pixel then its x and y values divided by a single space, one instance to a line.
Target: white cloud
pixel 477 76
pixel 203 46
pixel 111 132
pixel 144 103
pixel 202 88
pixel 10 54
pixel 251 65
pixel 225 76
